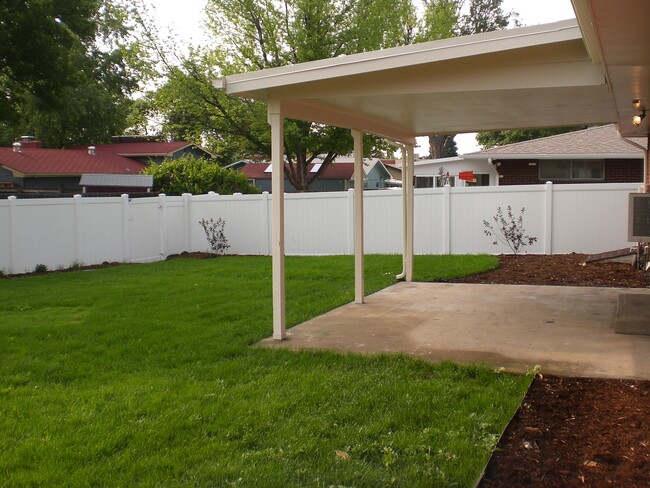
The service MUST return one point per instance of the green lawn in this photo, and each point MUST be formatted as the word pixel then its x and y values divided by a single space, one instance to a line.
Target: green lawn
pixel 143 375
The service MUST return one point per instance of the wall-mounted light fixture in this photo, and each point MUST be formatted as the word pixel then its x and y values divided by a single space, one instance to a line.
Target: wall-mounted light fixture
pixel 636 120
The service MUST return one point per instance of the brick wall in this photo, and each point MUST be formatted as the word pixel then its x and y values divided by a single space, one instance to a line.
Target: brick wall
pixel 520 172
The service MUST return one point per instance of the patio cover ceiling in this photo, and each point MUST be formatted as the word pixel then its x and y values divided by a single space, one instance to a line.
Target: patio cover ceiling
pixel 565 73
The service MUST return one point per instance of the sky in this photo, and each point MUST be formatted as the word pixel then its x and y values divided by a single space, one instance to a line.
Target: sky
pixel 183 20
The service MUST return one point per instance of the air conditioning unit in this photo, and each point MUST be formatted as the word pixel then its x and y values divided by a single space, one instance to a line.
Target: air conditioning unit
pixel 638 229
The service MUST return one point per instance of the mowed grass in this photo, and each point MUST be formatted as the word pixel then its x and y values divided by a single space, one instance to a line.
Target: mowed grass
pixel 144 375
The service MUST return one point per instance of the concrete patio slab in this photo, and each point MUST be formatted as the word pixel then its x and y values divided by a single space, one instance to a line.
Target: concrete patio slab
pixel 565 330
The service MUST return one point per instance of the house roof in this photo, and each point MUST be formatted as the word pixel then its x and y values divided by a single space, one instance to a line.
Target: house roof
pixel 335 171
pixel 65 162
pixel 117 180
pixel 584 71
pixel 141 148
pixel 595 142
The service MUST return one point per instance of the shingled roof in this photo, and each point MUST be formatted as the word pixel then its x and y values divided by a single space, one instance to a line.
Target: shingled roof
pixel 65 162
pixel 600 141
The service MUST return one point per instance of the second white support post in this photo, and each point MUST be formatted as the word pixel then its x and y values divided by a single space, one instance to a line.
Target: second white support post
pixel 358 216
pixel 277 235
pixel 410 203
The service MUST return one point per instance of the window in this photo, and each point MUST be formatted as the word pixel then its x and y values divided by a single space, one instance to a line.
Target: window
pixel 424 182
pixel 588 170
pixel 479 180
pixel 572 170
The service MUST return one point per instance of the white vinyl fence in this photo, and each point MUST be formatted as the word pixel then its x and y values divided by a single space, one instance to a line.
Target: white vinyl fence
pixel 63 232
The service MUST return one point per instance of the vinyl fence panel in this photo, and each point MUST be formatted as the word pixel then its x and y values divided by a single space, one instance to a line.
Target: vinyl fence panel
pixel 586 218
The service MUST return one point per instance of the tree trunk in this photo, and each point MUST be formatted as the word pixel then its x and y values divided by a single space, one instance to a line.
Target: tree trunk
pixel 439 145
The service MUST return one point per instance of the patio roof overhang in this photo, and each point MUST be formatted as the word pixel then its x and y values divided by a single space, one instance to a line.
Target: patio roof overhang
pixel 583 71
pixel 529 77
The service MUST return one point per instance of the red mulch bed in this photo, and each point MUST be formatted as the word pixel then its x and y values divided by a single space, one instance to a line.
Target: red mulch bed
pixel 585 432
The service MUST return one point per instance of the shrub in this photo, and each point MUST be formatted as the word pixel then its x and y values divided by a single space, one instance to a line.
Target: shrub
pixel 215 235
pixel 509 230
pixel 197 176
pixel 40 268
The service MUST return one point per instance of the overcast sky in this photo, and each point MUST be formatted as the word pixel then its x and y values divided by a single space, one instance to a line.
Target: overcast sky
pixel 184 18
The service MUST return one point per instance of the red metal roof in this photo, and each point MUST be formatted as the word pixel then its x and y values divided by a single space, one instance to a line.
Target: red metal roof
pixel 36 161
pixel 140 148
pixel 335 171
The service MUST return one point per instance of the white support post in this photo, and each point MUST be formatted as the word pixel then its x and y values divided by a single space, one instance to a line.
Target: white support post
pixel 410 203
pixel 405 177
pixel 276 122
pixel 548 221
pixel 358 216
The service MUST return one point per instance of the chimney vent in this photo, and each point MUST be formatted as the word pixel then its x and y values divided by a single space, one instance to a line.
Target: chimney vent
pixel 30 141
pixel 91 150
pixel 16 146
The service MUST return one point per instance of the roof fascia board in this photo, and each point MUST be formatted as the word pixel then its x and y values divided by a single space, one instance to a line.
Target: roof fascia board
pixel 589 36
pixel 416 54
pixel 558 74
pixel 497 156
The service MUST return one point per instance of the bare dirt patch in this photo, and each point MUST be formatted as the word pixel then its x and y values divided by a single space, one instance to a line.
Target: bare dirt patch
pixel 573 431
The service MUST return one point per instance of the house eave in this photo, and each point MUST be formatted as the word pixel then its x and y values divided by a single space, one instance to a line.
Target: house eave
pixel 497 156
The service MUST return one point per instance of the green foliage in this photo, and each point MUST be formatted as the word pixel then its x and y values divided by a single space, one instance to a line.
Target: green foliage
pixel 253 35
pixel 197 176
pixel 144 375
pixel 503 137
pixel 67 68
pixel 40 268
pixel 443 19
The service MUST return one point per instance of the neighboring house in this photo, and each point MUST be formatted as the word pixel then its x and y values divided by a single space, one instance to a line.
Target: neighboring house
pixel 594 155
pixel 433 173
pixel 337 176
pixel 28 167
pixel 146 150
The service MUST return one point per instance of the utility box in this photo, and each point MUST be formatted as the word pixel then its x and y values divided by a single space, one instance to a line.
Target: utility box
pixel 638 229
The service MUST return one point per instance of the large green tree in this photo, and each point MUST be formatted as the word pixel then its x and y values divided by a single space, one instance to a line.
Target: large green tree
pixel 67 68
pixel 449 18
pixel 253 35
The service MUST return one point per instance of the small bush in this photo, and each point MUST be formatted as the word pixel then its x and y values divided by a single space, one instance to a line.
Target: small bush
pixel 215 235
pixel 509 230
pixel 40 268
